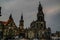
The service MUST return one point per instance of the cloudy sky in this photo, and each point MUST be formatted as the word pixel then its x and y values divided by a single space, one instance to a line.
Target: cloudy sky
pixel 51 9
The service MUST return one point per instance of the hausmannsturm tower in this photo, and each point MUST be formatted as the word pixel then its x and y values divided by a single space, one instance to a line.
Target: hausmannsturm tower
pixel 37 29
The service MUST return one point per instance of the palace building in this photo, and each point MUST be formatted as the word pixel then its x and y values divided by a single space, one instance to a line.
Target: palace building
pixel 37 28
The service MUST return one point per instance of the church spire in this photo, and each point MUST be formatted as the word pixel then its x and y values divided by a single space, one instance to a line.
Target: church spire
pixel 22 16
pixel 21 24
pixel 40 14
pixel 39 7
pixel 0 11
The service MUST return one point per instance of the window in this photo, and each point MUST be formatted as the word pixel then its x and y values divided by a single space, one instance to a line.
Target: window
pixel 41 25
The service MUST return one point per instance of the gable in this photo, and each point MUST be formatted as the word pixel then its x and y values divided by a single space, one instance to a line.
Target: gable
pixel 10 23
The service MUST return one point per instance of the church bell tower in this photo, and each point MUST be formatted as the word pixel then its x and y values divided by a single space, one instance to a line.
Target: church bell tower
pixel 40 18
pixel 21 22
pixel 40 14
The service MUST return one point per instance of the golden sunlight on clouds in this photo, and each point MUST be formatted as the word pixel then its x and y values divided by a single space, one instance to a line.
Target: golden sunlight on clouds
pixel 51 10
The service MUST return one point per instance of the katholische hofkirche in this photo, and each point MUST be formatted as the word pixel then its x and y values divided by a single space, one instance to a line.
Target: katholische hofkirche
pixel 37 28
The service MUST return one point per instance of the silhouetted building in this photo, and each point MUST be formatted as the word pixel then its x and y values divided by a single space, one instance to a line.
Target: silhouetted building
pixel 37 30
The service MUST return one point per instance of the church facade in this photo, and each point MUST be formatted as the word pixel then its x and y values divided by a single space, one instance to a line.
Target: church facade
pixel 37 28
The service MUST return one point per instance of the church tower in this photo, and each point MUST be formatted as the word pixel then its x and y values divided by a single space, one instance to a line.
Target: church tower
pixel 40 14
pixel 39 26
pixel 40 17
pixel 21 25
pixel 40 22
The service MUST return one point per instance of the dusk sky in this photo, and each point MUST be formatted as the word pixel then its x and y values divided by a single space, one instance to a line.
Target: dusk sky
pixel 51 9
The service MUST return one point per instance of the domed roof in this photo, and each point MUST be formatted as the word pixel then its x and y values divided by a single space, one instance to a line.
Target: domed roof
pixel 32 22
